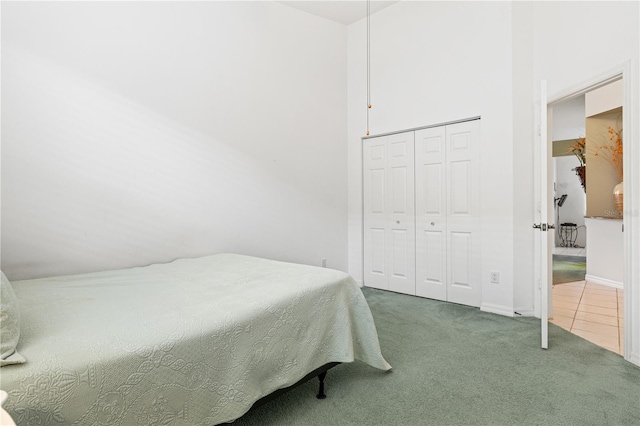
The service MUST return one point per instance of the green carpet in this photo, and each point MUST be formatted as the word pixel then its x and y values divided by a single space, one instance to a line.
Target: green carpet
pixel 456 365
pixel 568 269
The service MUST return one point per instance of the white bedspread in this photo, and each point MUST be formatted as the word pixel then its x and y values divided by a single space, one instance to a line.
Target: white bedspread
pixel 194 341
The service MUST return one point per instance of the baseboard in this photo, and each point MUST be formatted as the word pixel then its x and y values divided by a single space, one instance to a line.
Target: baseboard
pixel 634 359
pixel 497 309
pixel 603 281
pixel 525 312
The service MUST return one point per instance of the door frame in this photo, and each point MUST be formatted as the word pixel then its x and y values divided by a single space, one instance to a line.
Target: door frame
pixel 631 222
pixel 362 206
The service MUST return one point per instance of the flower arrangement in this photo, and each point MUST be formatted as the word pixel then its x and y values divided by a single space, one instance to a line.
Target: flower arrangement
pixel 579 150
pixel 612 153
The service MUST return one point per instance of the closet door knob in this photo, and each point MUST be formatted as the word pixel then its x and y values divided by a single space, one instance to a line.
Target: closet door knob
pixel 398 222
pixel 433 223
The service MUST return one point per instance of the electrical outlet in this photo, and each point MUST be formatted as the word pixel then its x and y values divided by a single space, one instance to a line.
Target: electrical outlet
pixel 495 277
pixel 324 262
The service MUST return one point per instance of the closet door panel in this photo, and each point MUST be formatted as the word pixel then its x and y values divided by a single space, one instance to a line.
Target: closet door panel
pixel 432 185
pixel 431 278
pixel 460 188
pixel 375 171
pixel 460 258
pixel 401 256
pixel 463 208
pixel 431 244
pixel 378 252
pixel 376 192
pixel 399 253
pixel 399 195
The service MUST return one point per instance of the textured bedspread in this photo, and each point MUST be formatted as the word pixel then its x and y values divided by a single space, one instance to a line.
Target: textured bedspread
pixel 194 341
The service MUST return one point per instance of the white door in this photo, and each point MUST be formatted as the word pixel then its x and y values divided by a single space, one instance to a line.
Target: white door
pixel 389 223
pixel 447 213
pixel 463 219
pixel 375 170
pixel 545 225
pixel 401 256
pixel 431 213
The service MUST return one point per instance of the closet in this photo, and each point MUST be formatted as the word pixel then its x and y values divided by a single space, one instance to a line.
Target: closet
pixel 421 212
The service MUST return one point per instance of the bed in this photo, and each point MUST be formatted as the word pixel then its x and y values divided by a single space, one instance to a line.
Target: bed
pixel 194 341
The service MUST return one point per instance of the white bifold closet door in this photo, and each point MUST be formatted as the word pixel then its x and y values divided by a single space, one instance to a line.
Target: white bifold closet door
pixel 389 222
pixel 447 213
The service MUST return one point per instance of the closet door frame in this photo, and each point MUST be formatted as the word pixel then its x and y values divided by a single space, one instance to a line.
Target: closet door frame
pixel 461 234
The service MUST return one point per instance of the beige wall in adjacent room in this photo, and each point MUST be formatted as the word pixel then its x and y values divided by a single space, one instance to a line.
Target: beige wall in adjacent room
pixel 601 174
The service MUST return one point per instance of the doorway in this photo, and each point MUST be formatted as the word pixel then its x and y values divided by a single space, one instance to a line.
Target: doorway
pixel 588 302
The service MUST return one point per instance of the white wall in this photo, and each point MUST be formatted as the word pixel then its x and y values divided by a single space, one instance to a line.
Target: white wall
pixel 524 158
pixel 605 253
pixel 141 132
pixel 433 62
pixel 604 98
pixel 569 119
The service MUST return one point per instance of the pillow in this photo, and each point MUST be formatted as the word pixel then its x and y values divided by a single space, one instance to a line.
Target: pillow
pixel 9 325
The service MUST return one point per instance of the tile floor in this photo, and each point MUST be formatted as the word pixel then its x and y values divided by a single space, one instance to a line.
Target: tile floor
pixel 571 251
pixel 591 311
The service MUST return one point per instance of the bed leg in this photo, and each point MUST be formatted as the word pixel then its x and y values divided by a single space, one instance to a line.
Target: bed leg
pixel 321 394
